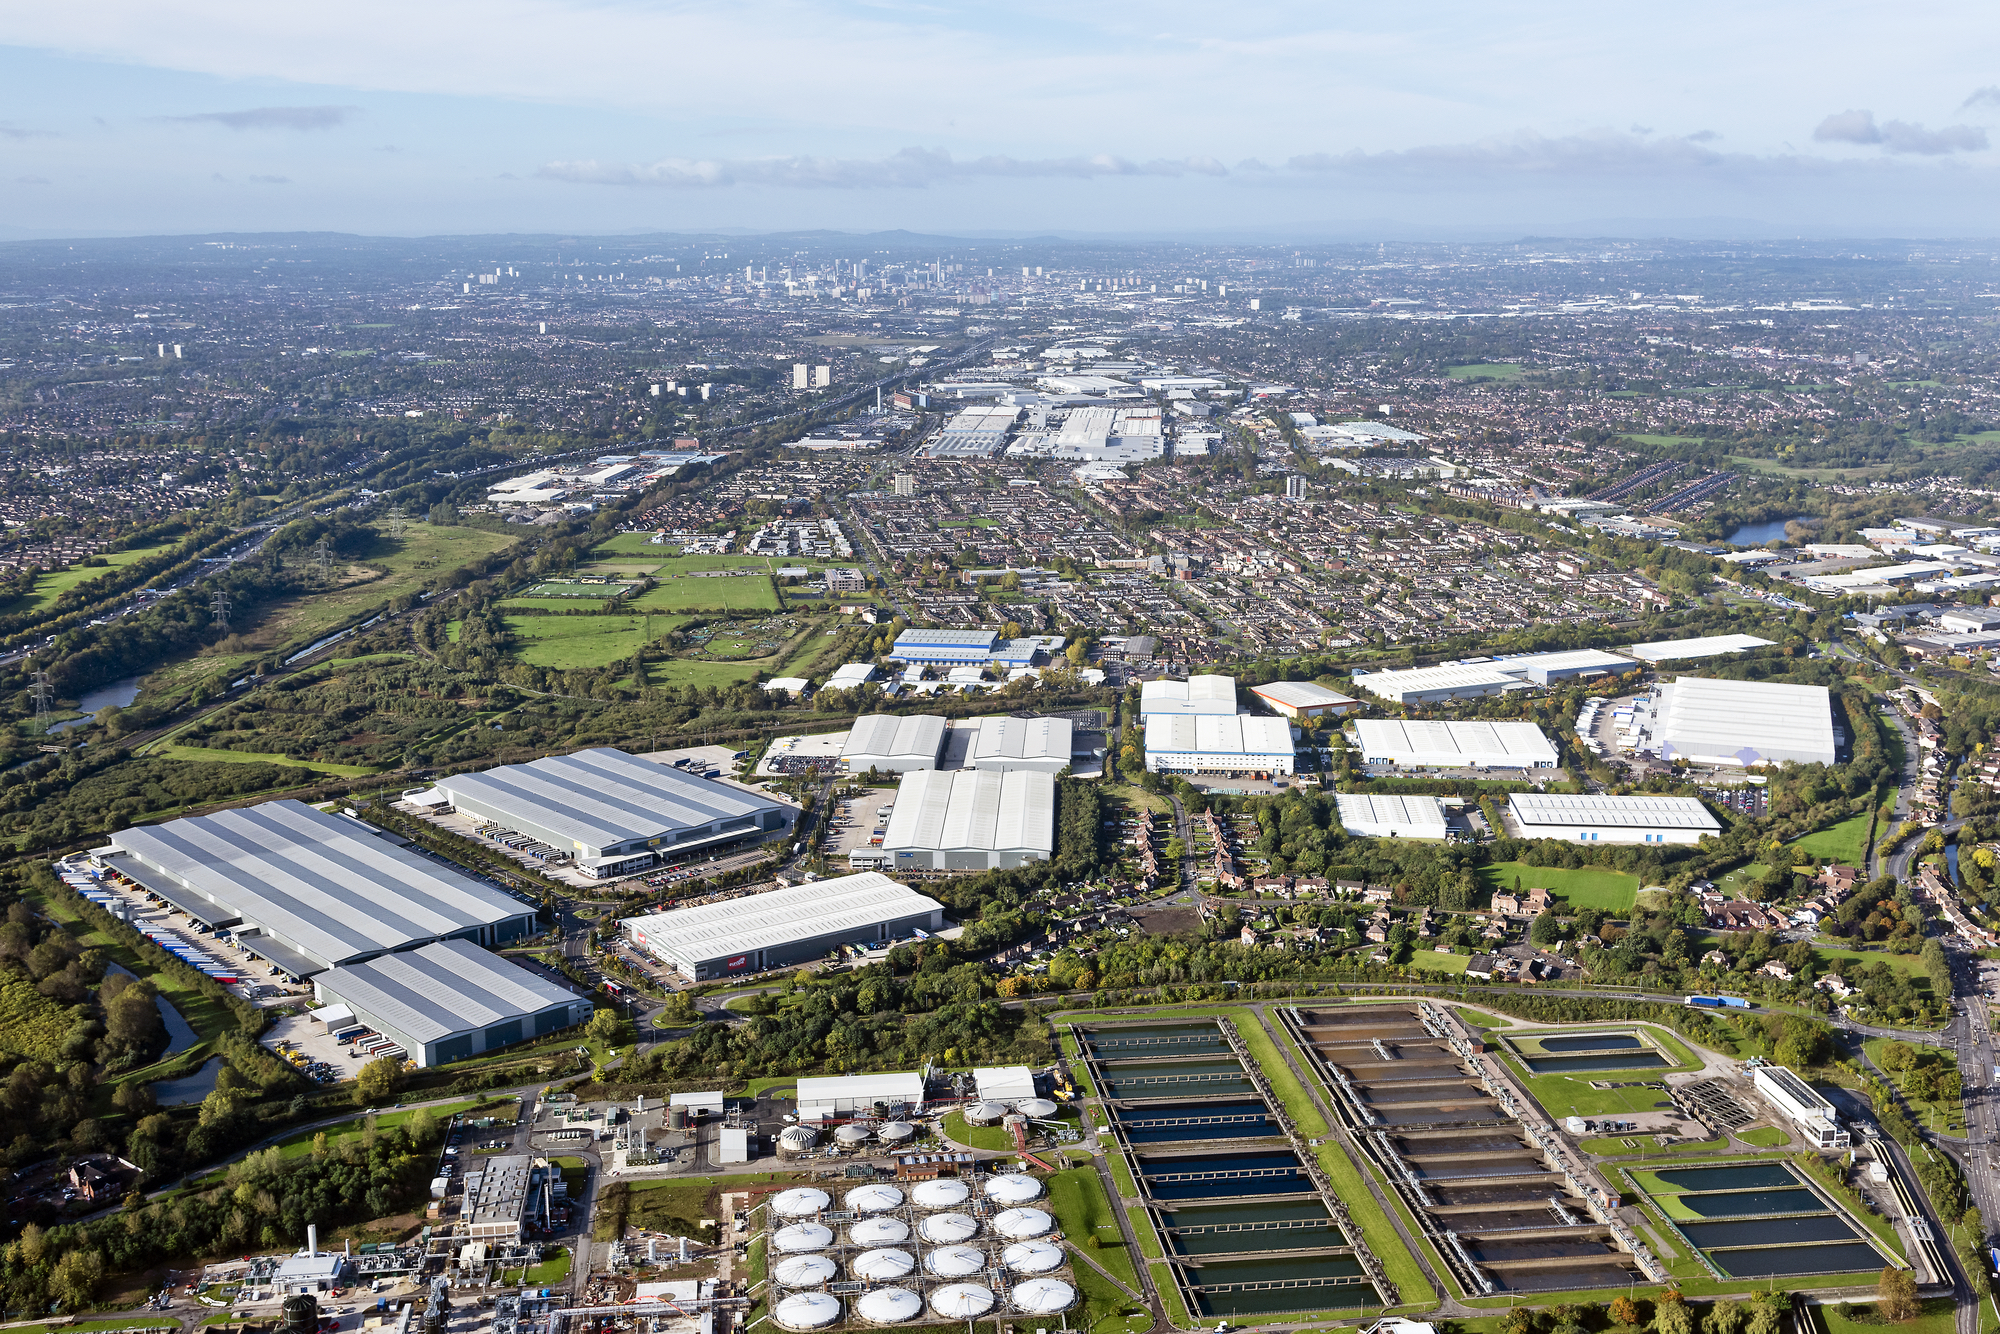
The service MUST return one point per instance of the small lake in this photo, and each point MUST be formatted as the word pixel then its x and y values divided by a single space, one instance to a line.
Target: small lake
pixel 1757 534
pixel 120 693
pixel 191 1088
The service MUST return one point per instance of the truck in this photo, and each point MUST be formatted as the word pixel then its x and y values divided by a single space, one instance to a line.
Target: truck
pixel 1720 1002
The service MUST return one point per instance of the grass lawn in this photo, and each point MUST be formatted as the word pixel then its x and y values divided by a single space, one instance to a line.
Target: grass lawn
pixel 744 592
pixel 1945 1117
pixel 299 1145
pixel 1640 1146
pixel 50 586
pixel 1480 1019
pixel 1735 884
pixel 1843 842
pixel 582 641
pixel 1076 1197
pixel 697 672
pixel 1586 887
pixel 179 752
pixel 1436 961
pixel 1906 964
pixel 995 1138
pixel 1572 1095
pixel 1486 370
pixel 1765 1137
pixel 1939 1316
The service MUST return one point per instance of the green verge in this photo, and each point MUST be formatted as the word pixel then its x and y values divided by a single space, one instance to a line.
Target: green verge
pixel 1142 1228
pixel 992 1138
pixel 1077 1199
pixel 1170 1297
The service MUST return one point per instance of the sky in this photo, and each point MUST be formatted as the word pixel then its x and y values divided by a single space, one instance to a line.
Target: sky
pixel 1271 120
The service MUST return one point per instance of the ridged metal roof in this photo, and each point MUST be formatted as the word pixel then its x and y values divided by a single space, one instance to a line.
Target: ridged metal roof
pixel 601 797
pixel 450 987
pixel 844 904
pixel 975 810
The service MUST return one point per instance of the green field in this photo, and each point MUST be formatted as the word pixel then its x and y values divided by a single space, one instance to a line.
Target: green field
pixel 1486 370
pixel 1615 1146
pixel 582 641
pixel 1907 964
pixel 1434 961
pixel 179 752
pixel 1571 1094
pixel 1843 842
pixel 1586 887
pixel 575 588
pixel 1076 1198
pixel 50 586
pixel 744 592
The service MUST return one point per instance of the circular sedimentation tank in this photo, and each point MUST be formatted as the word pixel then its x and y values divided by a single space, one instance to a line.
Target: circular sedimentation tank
pixel 852 1133
pixel 1043 1296
pixel 940 1193
pixel 799 1201
pixel 962 1301
pixel 895 1132
pixel 1012 1188
pixel 881 1264
pixel 946 1229
pixel 1039 1108
pixel 985 1113
pixel 811 1310
pixel 889 1306
pixel 803 1271
pixel 1032 1257
pixel 879 1232
pixel 955 1261
pixel 797 1139
pixel 799 1237
pixel 1020 1224
pixel 873 1198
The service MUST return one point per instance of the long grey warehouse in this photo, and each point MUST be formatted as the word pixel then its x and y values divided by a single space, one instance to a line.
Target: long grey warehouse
pixel 309 891
pixel 615 812
pixel 450 1000
pixel 784 926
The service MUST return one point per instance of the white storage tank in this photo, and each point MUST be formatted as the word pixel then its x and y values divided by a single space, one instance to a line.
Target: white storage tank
pixel 813 1310
pixel 803 1271
pixel 879 1232
pixel 1020 1224
pixel 1012 1188
pixel 940 1193
pixel 799 1201
pixel 874 1198
pixel 852 1134
pixel 896 1132
pixel 889 1306
pixel 946 1229
pixel 955 1261
pixel 985 1113
pixel 882 1264
pixel 1039 1108
pixel 1043 1296
pixel 1032 1257
pixel 802 1237
pixel 797 1139
pixel 962 1301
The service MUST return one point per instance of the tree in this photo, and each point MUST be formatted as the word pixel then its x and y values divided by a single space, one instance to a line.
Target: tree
pixel 1896 1057
pixel 1672 1316
pixel 607 1029
pixel 679 1009
pixel 1896 1294
pixel 378 1081
pixel 1547 929
pixel 1725 1317
pixel 75 1281
pixel 1624 1311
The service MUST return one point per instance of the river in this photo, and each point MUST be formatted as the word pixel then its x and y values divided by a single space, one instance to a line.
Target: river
pixel 1757 534
pixel 120 693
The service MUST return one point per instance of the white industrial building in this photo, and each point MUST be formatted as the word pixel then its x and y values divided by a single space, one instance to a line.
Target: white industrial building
pixel 1707 721
pixel 1206 744
pixel 447 1001
pixel 967 820
pixel 1471 744
pixel 781 927
pixel 851 674
pixel 898 1093
pixel 1039 745
pixel 1304 699
pixel 1689 650
pixel 1431 685
pixel 1801 1105
pixel 1392 815
pixel 1209 696
pixel 1592 818
pixel 1004 1083
pixel 893 745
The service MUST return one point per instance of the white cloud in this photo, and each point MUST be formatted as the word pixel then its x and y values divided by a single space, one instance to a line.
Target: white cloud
pixel 272 118
pixel 910 168
pixel 1898 136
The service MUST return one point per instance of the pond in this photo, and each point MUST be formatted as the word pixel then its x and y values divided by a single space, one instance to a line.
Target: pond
pixel 1778 1261
pixel 1593 1042
pixel 1741 1176
pixel 1637 1060
pixel 1769 1231
pixel 191 1088
pixel 1757 534
pixel 1743 1203
pixel 120 693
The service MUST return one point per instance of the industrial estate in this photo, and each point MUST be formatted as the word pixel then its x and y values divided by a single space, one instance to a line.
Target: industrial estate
pixel 828 783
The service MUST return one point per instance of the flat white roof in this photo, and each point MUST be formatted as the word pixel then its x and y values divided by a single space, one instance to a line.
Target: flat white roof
pixel 601 797
pixel 905 740
pixel 1423 680
pixel 1023 739
pixel 900 1086
pixel 1004 1083
pixel 1519 664
pixel 973 809
pixel 1210 734
pixel 1641 811
pixel 777 917
pixel 1196 695
pixel 1366 812
pixel 449 987
pixel 1300 694
pixel 1706 646
pixel 1745 721
pixel 1473 741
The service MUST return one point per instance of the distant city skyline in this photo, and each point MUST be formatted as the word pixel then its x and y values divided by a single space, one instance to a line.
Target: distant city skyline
pixel 1274 121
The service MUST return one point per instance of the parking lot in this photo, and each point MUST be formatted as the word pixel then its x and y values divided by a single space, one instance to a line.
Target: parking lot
pixel 790 754
pixel 255 981
pixel 309 1038
pixel 855 821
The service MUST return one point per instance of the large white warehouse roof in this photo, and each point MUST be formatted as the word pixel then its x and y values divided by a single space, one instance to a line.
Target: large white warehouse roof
pixel 973 809
pixel 1474 743
pixel 1004 743
pixel 1196 695
pixel 1210 735
pixel 845 904
pixel 1707 646
pixel 1709 721
pixel 1386 815
pixel 448 987
pixel 1424 683
pixel 1537 811
pixel 885 741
